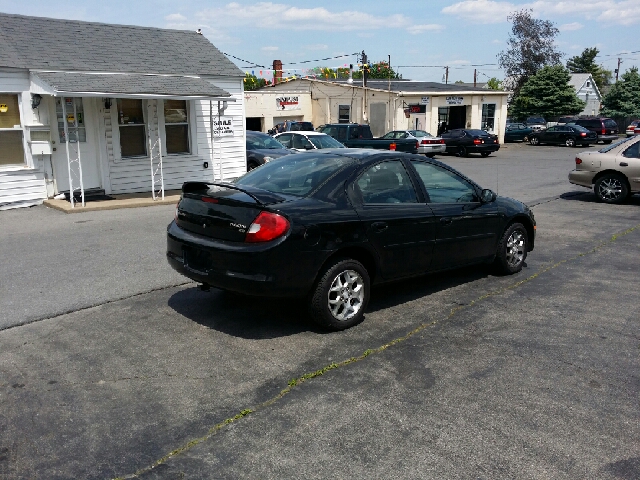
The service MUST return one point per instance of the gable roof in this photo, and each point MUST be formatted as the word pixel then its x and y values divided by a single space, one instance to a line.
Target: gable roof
pixel 577 80
pixel 39 43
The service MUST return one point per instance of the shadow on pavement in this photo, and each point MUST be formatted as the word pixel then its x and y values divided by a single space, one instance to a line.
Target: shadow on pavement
pixel 590 197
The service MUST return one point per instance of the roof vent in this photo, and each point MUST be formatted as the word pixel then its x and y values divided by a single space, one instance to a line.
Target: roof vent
pixel 199 31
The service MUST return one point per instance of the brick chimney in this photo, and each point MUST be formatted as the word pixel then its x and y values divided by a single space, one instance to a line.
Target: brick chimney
pixel 277 71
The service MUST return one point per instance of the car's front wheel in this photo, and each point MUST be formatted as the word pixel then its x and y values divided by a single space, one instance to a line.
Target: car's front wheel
pixel 462 152
pixel 534 141
pixel 341 294
pixel 570 142
pixel 611 188
pixel 512 249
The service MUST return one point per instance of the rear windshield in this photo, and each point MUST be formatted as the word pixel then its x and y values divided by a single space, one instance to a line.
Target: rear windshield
pixel 616 144
pixel 324 141
pixel 296 174
pixel 258 142
pixel 536 120
pixel 420 133
pixel 580 128
pixel 478 133
pixel 610 124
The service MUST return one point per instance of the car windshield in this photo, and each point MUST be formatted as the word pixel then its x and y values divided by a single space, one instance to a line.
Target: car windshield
pixel 257 142
pixel 324 141
pixel 616 144
pixel 420 133
pixel 302 126
pixel 296 174
pixel 478 133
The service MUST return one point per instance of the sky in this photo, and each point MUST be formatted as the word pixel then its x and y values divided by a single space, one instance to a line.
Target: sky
pixel 420 36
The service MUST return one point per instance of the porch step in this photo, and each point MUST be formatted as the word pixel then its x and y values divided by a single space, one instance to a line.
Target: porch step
pixel 89 194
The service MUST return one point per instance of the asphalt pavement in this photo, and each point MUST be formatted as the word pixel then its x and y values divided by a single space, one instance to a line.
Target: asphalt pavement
pixel 111 366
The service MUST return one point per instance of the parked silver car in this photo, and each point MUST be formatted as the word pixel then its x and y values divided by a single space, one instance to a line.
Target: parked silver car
pixel 614 171
pixel 429 145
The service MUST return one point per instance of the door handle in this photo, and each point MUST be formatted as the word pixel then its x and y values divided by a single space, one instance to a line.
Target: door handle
pixel 379 226
pixel 624 164
pixel 446 220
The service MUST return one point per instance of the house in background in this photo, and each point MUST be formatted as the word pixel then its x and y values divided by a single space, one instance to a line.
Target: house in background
pixel 587 91
pixel 114 109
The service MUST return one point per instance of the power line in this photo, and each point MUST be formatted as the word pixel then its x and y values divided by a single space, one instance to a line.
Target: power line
pixel 242 60
pixel 321 59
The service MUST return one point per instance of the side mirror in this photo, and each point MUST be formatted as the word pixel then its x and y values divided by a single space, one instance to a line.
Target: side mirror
pixel 487 196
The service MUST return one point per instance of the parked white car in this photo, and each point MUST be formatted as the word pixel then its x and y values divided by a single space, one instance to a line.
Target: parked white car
pixel 303 141
pixel 428 144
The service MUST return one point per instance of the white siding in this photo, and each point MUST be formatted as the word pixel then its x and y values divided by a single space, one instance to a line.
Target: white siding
pixel 21 188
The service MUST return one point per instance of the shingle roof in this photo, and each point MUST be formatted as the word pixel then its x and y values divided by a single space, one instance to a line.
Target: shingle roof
pixel 130 84
pixel 577 80
pixel 39 43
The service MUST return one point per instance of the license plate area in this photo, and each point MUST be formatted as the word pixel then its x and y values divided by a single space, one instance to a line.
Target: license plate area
pixel 196 259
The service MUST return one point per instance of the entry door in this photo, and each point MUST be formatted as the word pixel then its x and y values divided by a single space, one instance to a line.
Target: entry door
pixel 86 117
pixel 457 117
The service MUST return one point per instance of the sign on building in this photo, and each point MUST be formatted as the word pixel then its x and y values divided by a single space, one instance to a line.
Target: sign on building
pixel 287 103
pixel 454 100
pixel 222 127
pixel 424 101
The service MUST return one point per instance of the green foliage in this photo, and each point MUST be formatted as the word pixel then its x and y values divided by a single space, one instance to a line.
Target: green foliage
pixel 458 81
pixel 530 47
pixel 251 82
pixel 494 84
pixel 623 100
pixel 379 70
pixel 547 94
pixel 585 63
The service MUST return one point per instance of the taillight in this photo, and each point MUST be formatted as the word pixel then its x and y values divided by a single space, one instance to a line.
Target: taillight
pixel 392 146
pixel 441 140
pixel 417 144
pixel 477 141
pixel 266 226
pixel 578 160
pixel 209 200
pixel 583 134
pixel 424 142
pixel 604 131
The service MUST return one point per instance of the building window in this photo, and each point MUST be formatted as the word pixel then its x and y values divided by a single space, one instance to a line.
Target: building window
pixel 11 134
pixel 133 135
pixel 488 116
pixel 344 113
pixel 176 125
pixel 79 135
pixel 588 84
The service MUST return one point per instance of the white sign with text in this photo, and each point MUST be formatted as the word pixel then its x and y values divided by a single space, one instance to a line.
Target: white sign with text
pixel 223 127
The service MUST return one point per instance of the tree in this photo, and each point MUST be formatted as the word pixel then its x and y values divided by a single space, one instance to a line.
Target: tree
pixel 585 63
pixel 623 100
pixel 251 82
pixel 494 84
pixel 530 47
pixel 547 94
pixel 379 70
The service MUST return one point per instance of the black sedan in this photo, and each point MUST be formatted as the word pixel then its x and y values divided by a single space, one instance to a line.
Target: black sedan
pixel 569 135
pixel 330 223
pixel 262 148
pixel 462 142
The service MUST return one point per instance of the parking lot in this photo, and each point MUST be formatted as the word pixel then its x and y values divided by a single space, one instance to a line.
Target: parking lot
pixel 114 366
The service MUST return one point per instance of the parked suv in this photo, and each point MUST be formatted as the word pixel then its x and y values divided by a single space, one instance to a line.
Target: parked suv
pixel 606 128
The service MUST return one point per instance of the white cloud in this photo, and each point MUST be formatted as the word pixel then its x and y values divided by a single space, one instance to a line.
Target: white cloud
pixel 175 17
pixel 495 41
pixel 609 12
pixel 417 29
pixel 567 27
pixel 269 49
pixel 317 46
pixel 277 15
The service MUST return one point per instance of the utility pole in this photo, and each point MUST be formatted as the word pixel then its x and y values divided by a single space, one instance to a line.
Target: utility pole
pixel 365 69
pixel 446 75
pixel 618 69
pixel 475 77
pixel 389 73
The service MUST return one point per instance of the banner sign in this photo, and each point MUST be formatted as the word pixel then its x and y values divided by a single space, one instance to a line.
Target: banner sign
pixel 417 108
pixel 454 100
pixel 287 103
pixel 222 127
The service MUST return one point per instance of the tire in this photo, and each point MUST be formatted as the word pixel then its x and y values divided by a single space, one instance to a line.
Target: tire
pixel 512 249
pixel 525 139
pixel 611 188
pixel 534 141
pixel 607 142
pixel 251 166
pixel 485 154
pixel 462 152
pixel 340 295
pixel 570 142
pixel 430 155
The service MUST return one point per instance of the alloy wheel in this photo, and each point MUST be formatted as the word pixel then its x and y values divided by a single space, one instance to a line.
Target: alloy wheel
pixel 610 189
pixel 515 248
pixel 346 295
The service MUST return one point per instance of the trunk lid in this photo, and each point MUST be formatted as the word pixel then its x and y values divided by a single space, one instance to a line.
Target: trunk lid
pixel 220 210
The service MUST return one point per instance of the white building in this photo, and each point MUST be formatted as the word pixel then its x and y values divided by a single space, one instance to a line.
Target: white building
pixel 395 105
pixel 587 91
pixel 125 97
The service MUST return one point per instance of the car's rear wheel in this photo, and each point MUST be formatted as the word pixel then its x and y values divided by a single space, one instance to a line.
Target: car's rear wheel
pixel 430 155
pixel 570 142
pixel 512 249
pixel 606 142
pixel 251 166
pixel 611 188
pixel 462 152
pixel 534 141
pixel 340 295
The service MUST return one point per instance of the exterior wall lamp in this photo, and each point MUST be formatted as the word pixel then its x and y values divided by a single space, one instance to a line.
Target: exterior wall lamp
pixel 35 100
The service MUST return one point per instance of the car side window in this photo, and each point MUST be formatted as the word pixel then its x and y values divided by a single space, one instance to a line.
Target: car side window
pixel 300 142
pixel 342 133
pixel 386 182
pixel 285 139
pixel 444 186
pixel 633 151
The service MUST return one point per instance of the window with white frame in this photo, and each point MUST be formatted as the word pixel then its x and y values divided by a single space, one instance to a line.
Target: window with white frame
pixel 133 132
pixel 11 131
pixel 176 126
pixel 488 116
pixel 344 113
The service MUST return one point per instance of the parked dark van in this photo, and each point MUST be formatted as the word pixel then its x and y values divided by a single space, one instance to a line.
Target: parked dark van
pixel 606 128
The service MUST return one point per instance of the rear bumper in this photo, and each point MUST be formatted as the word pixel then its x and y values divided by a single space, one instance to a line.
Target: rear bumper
pixel 263 270
pixel 488 147
pixel 431 149
pixel 606 138
pixel 584 178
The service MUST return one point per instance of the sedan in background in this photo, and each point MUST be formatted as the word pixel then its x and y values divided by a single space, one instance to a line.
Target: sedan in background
pixel 569 135
pixel 614 171
pixel 517 132
pixel 303 141
pixel 427 144
pixel 327 225
pixel 462 142
pixel 536 123
pixel 630 130
pixel 262 148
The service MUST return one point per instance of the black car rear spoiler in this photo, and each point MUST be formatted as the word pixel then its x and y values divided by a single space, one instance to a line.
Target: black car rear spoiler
pixel 262 197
